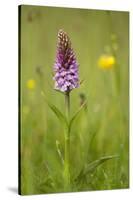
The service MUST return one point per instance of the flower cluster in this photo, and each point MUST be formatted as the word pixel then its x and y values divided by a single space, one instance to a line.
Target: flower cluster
pixel 65 67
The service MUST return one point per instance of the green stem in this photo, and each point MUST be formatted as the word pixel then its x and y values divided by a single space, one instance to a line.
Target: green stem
pixel 67 145
pixel 67 104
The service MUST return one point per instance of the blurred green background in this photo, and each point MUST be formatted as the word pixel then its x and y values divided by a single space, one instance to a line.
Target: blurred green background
pixel 102 128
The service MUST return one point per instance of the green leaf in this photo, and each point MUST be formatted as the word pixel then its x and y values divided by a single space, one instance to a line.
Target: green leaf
pixel 76 114
pixel 93 165
pixel 57 112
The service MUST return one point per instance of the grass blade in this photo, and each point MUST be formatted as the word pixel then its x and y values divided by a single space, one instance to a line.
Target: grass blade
pixel 93 165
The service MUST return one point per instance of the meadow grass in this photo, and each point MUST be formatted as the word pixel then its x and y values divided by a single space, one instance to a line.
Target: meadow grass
pixel 101 129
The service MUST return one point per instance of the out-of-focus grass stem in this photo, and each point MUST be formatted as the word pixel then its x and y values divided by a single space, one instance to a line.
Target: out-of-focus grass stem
pixel 117 79
pixel 116 70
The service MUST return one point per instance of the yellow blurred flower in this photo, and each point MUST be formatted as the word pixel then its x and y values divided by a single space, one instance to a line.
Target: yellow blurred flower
pixel 106 61
pixel 31 84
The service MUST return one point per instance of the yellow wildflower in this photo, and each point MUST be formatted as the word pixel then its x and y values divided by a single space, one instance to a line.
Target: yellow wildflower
pixel 106 61
pixel 31 84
